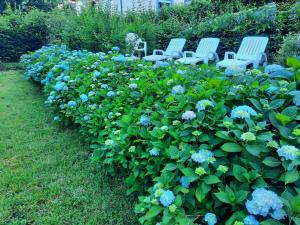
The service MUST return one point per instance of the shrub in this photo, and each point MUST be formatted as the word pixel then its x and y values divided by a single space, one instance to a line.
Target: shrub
pixel 288 49
pixel 200 147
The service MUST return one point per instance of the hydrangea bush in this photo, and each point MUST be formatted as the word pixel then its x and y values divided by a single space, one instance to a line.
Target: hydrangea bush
pixel 200 147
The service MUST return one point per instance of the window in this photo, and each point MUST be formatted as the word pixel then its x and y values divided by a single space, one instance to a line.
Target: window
pixel 162 3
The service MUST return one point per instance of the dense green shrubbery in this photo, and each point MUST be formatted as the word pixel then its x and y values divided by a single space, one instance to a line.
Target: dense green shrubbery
pixel 194 140
pixel 24 32
pixel 288 48
pixel 99 31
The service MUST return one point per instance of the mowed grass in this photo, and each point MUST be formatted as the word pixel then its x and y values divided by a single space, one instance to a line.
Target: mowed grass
pixel 46 176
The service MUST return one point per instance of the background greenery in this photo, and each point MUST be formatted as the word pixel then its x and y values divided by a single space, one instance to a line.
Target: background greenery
pixel 23 31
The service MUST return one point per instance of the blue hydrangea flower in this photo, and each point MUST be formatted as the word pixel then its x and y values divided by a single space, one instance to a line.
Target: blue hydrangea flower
pixel 59 86
pixel 278 214
pixel 250 220
pixel 167 198
pixel 104 86
pixel 178 89
pixel 133 86
pixel 181 72
pixel 105 70
pixel 91 93
pixel 277 71
pixel 188 115
pixel 111 94
pixel 202 156
pixel 265 203
pixel 62 106
pixel 233 71
pixel 56 118
pixel 72 103
pixel 145 120
pixel 86 117
pixel 110 52
pixel 185 182
pixel 161 64
pixel 115 48
pixel 96 74
pixel 288 152
pixel 119 58
pixel 84 98
pixel 210 218
pixel 66 78
pixel 154 152
pixel 242 112
pixel 202 104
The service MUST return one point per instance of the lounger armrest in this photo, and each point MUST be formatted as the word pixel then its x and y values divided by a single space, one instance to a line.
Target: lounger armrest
pixel 213 56
pixel 187 53
pixel 228 54
pixel 260 58
pixel 157 51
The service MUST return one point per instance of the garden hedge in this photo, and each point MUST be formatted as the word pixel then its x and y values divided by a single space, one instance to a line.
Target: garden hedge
pixel 200 146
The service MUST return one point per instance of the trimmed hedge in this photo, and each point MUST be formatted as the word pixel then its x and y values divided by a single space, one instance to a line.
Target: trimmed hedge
pixel 201 147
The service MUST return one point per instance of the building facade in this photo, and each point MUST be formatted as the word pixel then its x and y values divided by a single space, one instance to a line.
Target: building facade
pixel 124 6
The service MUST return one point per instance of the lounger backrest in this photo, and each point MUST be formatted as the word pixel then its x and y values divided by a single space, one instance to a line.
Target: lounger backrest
pixel 175 45
pixel 207 45
pixel 251 47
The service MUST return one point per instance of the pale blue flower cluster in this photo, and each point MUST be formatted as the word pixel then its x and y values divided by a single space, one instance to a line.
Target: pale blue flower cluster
pixel 91 93
pixel 105 70
pixel 233 71
pixel 111 94
pixel 288 152
pixel 265 203
pixel 181 72
pixel 72 104
pixel 115 48
pixel 96 74
pixel 161 64
pixel 60 86
pixel 202 156
pixel 119 58
pixel 202 104
pixel 104 86
pixel 185 182
pixel 154 152
pixel 145 120
pixel 277 71
pixel 178 89
pixel 210 218
pixel 167 198
pixel 86 118
pixel 133 86
pixel 188 115
pixel 242 112
pixel 84 98
pixel 250 220
pixel 56 118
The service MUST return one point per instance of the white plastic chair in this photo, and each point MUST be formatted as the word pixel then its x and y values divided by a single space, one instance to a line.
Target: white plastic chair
pixel 174 50
pixel 205 51
pixel 251 51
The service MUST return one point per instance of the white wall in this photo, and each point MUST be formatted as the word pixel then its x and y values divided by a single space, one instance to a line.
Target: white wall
pixel 138 5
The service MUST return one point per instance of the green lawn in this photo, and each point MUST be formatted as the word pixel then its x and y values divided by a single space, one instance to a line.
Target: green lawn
pixel 46 176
